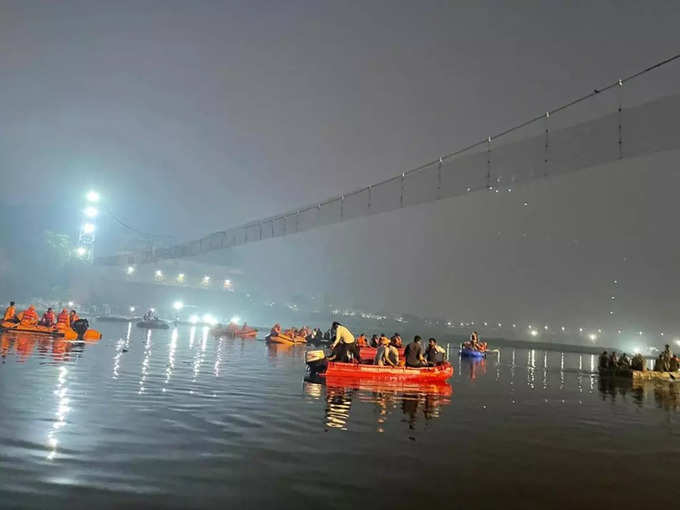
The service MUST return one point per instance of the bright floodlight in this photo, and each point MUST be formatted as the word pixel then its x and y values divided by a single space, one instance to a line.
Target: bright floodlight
pixel 91 212
pixel 209 319
pixel 180 277
pixel 153 310
pixel 70 304
pixel 81 251
pixel 88 228
pixel 227 283
pixel 130 269
pixel 92 196
pixel 178 305
pixel 193 319
pixel 206 279
pixel 132 309
pixel 235 319
pixel 159 273
pixel 592 337
pixel 534 332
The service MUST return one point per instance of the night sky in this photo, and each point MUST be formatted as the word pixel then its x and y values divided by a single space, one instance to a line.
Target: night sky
pixel 191 117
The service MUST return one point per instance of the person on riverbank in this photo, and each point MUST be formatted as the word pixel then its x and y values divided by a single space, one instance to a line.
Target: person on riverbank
pixel 10 313
pixel 48 318
pixel 638 362
pixel 413 354
pixel 624 362
pixel 604 361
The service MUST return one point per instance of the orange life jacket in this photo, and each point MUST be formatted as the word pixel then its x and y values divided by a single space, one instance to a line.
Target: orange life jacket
pixel 29 316
pixel 62 318
pixel 48 318
pixel 361 341
pixel 10 313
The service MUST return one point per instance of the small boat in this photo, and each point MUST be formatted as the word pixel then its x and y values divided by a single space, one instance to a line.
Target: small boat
pixel 285 339
pixel 337 370
pixel 368 353
pixel 116 318
pixel 466 352
pixel 153 324
pixel 318 366
pixel 234 330
pixel 83 332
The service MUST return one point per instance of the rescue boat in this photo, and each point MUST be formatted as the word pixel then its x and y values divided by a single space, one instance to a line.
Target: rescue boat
pixel 466 352
pixel 282 338
pixel 66 333
pixel 319 366
pixel 153 324
pixel 234 330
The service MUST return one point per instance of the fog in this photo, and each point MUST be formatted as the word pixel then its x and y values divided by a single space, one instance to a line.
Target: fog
pixel 191 117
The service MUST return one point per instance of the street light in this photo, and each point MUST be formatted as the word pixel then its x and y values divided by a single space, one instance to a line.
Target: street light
pixel 91 212
pixel 178 305
pixel 92 196
pixel 81 251
pixel 180 277
pixel 130 269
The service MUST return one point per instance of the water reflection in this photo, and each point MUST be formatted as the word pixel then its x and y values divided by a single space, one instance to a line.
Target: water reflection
pixel 24 345
pixel 145 362
pixel 474 367
pixel 60 392
pixel 415 401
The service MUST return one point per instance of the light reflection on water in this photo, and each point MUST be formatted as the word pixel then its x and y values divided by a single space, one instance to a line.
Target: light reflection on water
pixel 147 414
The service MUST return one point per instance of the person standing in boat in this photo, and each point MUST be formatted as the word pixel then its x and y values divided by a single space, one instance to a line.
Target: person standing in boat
pixel 344 346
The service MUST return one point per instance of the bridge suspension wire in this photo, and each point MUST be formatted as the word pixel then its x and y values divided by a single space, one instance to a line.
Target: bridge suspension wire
pixel 654 124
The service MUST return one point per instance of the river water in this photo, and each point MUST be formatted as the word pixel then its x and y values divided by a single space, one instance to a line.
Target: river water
pixel 182 420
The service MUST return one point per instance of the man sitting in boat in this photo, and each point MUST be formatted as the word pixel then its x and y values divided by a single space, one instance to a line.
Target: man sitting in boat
pixel 29 317
pixel 48 318
pixel 397 341
pixel 62 319
pixel 344 346
pixel 11 313
pixel 414 354
pixel 434 354
pixel 276 330
pixel 361 340
pixel 385 355
pixel 375 341
pixel 72 317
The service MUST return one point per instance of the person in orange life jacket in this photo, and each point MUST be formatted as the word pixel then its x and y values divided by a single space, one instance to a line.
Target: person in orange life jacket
pixel 48 318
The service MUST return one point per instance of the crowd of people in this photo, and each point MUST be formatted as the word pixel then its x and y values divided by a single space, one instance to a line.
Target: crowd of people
pixel 665 362
pixel 345 348
pixel 30 317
